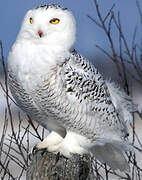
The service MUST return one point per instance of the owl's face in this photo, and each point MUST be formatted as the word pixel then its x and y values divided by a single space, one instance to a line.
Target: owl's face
pixel 51 25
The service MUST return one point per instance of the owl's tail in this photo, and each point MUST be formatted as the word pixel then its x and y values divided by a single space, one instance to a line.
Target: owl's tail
pixel 112 154
pixel 122 102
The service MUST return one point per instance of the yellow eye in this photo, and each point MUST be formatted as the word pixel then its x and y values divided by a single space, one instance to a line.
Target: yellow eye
pixel 54 21
pixel 31 20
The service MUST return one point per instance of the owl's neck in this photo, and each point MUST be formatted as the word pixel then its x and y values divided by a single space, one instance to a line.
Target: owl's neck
pixel 41 54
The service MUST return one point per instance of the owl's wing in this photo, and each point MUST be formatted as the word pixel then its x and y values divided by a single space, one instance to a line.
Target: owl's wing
pixel 87 91
pixel 85 86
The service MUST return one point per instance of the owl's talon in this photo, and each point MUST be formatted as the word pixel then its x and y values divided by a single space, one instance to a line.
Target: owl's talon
pixel 30 156
pixel 35 149
pixel 32 152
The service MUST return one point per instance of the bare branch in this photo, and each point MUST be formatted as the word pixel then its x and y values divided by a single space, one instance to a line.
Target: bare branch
pixel 109 12
pixel 98 24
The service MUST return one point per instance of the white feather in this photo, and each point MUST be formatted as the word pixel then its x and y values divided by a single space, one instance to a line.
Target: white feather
pixel 122 102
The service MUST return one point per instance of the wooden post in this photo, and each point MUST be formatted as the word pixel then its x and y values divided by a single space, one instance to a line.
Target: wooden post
pixel 49 166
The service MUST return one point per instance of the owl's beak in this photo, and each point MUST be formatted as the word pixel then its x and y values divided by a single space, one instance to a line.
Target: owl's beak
pixel 40 33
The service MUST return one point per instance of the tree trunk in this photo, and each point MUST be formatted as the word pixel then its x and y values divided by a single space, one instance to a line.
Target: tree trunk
pixel 49 166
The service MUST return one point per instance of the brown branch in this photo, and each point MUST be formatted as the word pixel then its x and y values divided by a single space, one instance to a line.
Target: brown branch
pixel 6 86
pixel 107 30
pixel 109 13
pixel 6 171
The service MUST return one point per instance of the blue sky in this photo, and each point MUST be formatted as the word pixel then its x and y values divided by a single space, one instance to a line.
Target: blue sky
pixel 88 34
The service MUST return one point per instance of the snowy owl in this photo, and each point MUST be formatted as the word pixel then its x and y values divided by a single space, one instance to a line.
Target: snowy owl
pixel 64 92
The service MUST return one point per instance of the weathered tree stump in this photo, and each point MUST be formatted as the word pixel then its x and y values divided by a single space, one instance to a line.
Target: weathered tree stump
pixel 49 166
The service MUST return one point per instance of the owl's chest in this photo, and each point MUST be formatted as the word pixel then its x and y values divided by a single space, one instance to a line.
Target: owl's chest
pixel 29 64
pixel 34 92
pixel 35 74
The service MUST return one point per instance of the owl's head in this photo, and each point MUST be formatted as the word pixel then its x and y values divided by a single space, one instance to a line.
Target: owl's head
pixel 49 24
